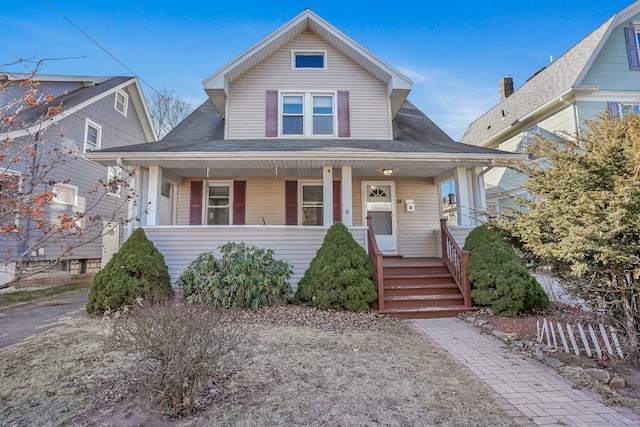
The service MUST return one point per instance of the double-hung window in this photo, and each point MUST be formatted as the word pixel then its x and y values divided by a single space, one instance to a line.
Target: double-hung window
pixel 218 203
pixel 114 184
pixel 308 114
pixel 122 101
pixel 625 108
pixel 312 204
pixel 92 136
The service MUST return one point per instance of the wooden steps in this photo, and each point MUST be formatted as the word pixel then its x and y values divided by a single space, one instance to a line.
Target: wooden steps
pixel 416 288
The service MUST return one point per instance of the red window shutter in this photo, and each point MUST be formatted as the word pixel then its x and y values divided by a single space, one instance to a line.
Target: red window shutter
pixel 195 203
pixel 337 201
pixel 271 114
pixel 632 48
pixel 344 127
pixel 291 202
pixel 239 196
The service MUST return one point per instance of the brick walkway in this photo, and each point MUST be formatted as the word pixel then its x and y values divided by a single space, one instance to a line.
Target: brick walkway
pixel 531 393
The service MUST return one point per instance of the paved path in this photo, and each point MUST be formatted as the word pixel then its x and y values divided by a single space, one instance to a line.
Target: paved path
pixel 23 321
pixel 531 393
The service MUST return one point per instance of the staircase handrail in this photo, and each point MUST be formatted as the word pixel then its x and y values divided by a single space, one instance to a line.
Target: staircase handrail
pixel 456 261
pixel 375 256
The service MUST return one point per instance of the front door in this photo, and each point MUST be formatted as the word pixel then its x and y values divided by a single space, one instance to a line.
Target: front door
pixel 379 198
pixel 110 241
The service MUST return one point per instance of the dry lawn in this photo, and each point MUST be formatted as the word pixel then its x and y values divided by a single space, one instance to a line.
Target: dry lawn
pixel 299 373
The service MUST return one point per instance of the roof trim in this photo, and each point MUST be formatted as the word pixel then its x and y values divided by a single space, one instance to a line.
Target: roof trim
pixel 217 84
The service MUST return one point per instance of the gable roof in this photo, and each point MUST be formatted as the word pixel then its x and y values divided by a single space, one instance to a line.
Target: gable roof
pixel 553 83
pixel 92 90
pixel 217 85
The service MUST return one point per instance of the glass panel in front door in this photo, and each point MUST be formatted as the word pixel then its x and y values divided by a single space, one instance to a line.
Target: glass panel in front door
pixel 379 207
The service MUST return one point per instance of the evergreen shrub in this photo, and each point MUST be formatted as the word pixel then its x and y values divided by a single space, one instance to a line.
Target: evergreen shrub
pixel 136 270
pixel 339 276
pixel 499 278
pixel 245 277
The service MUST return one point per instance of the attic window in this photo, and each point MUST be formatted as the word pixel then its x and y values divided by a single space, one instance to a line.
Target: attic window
pixel 301 60
pixel 122 101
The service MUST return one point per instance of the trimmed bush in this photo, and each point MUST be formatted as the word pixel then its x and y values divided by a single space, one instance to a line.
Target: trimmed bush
pixel 499 278
pixel 245 277
pixel 339 276
pixel 136 270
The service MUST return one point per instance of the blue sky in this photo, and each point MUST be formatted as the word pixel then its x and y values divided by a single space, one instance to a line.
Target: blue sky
pixel 455 52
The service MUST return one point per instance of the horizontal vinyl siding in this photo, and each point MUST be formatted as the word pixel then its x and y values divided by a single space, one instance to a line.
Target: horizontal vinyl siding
pixel 265 200
pixel 563 121
pixel 165 210
pixel 369 103
pixel 298 245
pixel 417 235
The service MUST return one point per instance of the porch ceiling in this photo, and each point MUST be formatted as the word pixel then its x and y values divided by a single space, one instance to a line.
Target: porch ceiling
pixel 227 168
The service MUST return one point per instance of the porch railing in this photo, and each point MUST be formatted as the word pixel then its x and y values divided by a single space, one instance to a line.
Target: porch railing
pixel 456 260
pixel 375 256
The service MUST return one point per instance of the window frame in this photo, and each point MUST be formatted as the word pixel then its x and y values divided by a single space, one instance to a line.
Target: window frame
pixel 624 107
pixel 205 204
pixel 308 52
pixel 110 175
pixel 301 204
pixel 74 188
pixel 90 123
pixel 307 113
pixel 124 103
pixel 18 175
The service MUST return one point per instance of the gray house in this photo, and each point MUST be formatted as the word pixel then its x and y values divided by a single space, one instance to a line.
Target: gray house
pixel 83 114
pixel 306 128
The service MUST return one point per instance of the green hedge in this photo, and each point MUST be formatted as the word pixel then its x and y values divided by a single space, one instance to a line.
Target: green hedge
pixel 136 270
pixel 339 276
pixel 499 278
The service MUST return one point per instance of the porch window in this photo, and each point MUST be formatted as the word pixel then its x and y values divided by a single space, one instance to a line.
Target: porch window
pixel 308 114
pixel 218 204
pixel 114 185
pixel 312 205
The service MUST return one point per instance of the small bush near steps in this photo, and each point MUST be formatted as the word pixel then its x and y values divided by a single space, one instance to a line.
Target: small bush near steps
pixel 137 270
pixel 245 277
pixel 499 278
pixel 339 276
pixel 185 353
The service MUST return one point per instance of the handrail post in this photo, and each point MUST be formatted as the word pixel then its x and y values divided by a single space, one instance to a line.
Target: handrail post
pixel 443 238
pixel 465 278
pixel 375 256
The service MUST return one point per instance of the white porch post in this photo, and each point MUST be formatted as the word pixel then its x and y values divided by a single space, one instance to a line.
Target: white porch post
pixel 155 184
pixel 327 195
pixel 347 196
pixel 463 201
pixel 479 194
pixel 133 204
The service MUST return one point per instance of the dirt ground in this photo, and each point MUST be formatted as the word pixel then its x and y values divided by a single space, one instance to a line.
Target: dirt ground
pixel 306 368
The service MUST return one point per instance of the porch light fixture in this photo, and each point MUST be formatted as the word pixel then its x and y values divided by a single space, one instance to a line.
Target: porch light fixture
pixel 387 172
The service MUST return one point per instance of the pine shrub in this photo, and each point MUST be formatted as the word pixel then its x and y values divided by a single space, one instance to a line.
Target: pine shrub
pixel 246 277
pixel 339 276
pixel 499 278
pixel 136 270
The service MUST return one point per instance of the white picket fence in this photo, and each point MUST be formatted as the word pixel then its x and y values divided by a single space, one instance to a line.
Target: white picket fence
pixel 591 340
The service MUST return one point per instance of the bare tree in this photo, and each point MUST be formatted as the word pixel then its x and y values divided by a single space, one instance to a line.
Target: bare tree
pixel 167 109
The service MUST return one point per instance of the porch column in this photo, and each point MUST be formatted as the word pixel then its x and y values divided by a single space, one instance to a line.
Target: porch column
pixel 133 204
pixel 153 194
pixel 463 201
pixel 479 194
pixel 327 195
pixel 347 196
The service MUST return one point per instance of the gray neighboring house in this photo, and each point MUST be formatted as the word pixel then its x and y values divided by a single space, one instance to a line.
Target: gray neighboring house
pixel 304 129
pixel 601 72
pixel 95 113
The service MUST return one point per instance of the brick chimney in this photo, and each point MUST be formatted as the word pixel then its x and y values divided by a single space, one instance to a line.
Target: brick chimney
pixel 506 87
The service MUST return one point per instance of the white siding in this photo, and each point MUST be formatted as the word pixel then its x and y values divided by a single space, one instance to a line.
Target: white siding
pixel 298 245
pixel 417 230
pixel 369 103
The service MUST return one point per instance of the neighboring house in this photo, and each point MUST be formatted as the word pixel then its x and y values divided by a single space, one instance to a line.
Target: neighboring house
pixel 601 72
pixel 89 113
pixel 305 128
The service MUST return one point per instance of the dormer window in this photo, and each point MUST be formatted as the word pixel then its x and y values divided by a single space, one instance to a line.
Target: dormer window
pixel 315 60
pixel 308 114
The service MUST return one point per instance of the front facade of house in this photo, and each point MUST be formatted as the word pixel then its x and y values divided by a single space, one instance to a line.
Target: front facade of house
pixel 90 113
pixel 304 129
pixel 601 72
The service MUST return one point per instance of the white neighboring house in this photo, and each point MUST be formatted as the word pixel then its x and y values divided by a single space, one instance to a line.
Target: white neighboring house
pixel 94 113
